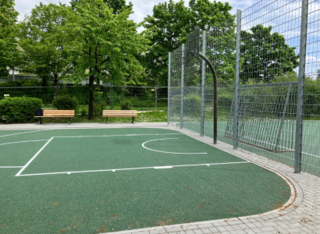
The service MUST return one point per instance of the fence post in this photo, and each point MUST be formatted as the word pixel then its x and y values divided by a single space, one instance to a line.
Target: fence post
pixel 156 98
pixel 203 80
pixel 302 65
pixel 237 83
pixel 169 82
pixel 182 88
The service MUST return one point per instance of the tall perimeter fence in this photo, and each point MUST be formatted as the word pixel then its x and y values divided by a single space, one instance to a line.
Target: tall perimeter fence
pixel 142 97
pixel 267 63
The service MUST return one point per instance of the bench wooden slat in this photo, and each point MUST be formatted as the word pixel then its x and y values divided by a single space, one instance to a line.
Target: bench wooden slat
pixel 119 113
pixel 48 112
pixel 51 116
pixel 56 113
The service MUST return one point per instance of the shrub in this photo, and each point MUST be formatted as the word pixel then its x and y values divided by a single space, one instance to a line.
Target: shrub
pixel 125 104
pixel 65 102
pixel 192 104
pixel 24 82
pixel 225 99
pixel 98 108
pixel 83 113
pixel 19 109
pixel 99 102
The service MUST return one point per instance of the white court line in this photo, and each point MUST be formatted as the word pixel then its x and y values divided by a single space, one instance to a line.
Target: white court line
pixel 25 166
pixel 134 168
pixel 164 167
pixel 16 142
pixel 166 152
pixel 127 135
pixel 24 132
pixel 11 166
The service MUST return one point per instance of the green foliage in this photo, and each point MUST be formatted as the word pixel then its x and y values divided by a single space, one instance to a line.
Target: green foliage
pixel 65 102
pixel 105 45
pixel 288 77
pixel 136 102
pixel 83 112
pixel 225 99
pixel 98 108
pixel 125 104
pixel 19 109
pixel 264 53
pixel 25 82
pixel 9 53
pixel 45 53
pixel 192 105
pixel 171 23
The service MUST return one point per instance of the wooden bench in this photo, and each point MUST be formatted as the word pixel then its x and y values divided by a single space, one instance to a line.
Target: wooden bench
pixel 56 113
pixel 119 113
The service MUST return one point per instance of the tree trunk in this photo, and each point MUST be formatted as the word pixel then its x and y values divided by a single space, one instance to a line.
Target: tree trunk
pixel 44 80
pixel 90 114
pixel 55 83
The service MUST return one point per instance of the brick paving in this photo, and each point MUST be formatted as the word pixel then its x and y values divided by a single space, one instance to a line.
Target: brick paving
pixel 301 214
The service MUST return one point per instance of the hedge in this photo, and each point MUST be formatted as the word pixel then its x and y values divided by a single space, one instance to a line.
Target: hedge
pixel 19 109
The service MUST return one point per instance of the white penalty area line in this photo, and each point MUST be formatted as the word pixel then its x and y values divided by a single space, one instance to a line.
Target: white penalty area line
pixel 25 166
pixel 166 152
pixel 134 168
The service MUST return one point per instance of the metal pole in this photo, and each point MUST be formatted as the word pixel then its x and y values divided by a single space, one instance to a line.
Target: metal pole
pixel 169 80
pixel 203 80
pixel 302 65
pixel 182 88
pixel 283 117
pixel 215 98
pixel 155 97
pixel 237 83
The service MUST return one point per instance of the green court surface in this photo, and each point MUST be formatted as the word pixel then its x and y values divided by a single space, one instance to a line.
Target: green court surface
pixel 103 180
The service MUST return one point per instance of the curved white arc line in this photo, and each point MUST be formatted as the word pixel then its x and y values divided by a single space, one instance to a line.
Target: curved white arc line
pixel 165 152
pixel 18 133
pixel 9 143
pixel 3 167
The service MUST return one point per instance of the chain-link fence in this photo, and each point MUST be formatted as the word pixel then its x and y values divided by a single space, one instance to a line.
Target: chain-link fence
pixel 267 63
pixel 141 97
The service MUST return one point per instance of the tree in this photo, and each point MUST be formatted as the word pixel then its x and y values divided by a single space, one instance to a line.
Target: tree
pixel 265 54
pixel 39 37
pixel 172 23
pixel 105 44
pixel 116 5
pixel 8 43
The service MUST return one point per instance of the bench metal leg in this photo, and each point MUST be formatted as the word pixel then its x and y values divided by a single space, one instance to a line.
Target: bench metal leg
pixel 69 120
pixel 133 120
pixel 106 120
pixel 40 121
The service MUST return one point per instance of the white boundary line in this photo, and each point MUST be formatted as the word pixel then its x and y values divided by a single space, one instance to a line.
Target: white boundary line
pixel 1 167
pixel 25 166
pixel 134 168
pixel 165 152
pixel 24 132
pixel 9 143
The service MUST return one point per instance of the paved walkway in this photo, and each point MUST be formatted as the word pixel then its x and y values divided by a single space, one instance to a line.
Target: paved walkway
pixel 301 214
